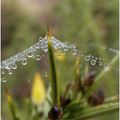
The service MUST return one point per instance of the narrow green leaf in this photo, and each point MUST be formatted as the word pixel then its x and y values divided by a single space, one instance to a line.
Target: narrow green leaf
pixel 102 109
pixel 11 105
pixel 54 82
pixel 88 112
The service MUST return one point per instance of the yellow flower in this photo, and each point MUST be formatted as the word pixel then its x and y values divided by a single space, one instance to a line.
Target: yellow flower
pixel 60 56
pixel 38 90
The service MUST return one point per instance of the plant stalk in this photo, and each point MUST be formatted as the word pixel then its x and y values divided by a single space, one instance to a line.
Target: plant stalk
pixel 11 105
pixel 89 112
pixel 54 82
pixel 102 109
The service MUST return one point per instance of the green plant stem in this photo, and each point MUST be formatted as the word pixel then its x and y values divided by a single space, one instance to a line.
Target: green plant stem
pixel 102 109
pixel 13 111
pixel 89 112
pixel 11 105
pixel 92 88
pixel 54 82
pixel 112 99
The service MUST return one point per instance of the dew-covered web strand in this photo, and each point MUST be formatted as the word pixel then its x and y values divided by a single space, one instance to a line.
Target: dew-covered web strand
pixel 22 57
pixel 10 64
pixel 94 46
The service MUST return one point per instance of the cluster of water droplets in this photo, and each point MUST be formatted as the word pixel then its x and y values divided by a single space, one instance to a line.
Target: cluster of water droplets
pixel 94 60
pixel 7 66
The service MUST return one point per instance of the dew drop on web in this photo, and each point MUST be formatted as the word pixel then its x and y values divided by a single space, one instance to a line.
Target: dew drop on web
pixel 55 47
pixel 46 74
pixel 3 71
pixel 96 58
pixel 8 67
pixel 45 49
pixel 93 62
pixel 30 54
pixel 74 52
pixel 4 80
pixel 40 38
pixel 10 72
pixel 14 66
pixel 100 63
pixel 65 49
pixel 38 57
pixel 24 61
pixel 87 57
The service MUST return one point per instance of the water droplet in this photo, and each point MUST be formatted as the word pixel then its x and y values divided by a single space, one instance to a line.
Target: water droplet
pixel 45 49
pixel 92 57
pixel 3 71
pixel 14 66
pixel 93 62
pixel 40 38
pixel 38 57
pixel 65 49
pixel 37 46
pixel 55 47
pixel 24 61
pixel 4 80
pixel 30 54
pixel 74 52
pixel 10 72
pixel 46 74
pixel 96 58
pixel 87 57
pixel 100 63
pixel 59 46
pixel 8 67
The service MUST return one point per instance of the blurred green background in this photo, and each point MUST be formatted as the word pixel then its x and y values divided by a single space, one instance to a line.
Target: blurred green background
pixel 83 22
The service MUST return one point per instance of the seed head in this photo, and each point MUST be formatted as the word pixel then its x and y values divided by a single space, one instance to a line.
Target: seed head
pixel 89 79
pixel 55 113
pixel 96 98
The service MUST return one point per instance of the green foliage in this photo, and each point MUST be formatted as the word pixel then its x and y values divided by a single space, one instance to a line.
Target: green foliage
pixel 84 22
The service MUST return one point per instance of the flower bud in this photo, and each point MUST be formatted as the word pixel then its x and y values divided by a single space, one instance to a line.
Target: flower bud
pixel 55 113
pixel 89 79
pixel 38 90
pixel 96 98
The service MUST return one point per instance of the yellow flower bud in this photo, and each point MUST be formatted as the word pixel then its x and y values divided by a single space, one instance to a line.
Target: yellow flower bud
pixel 38 90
